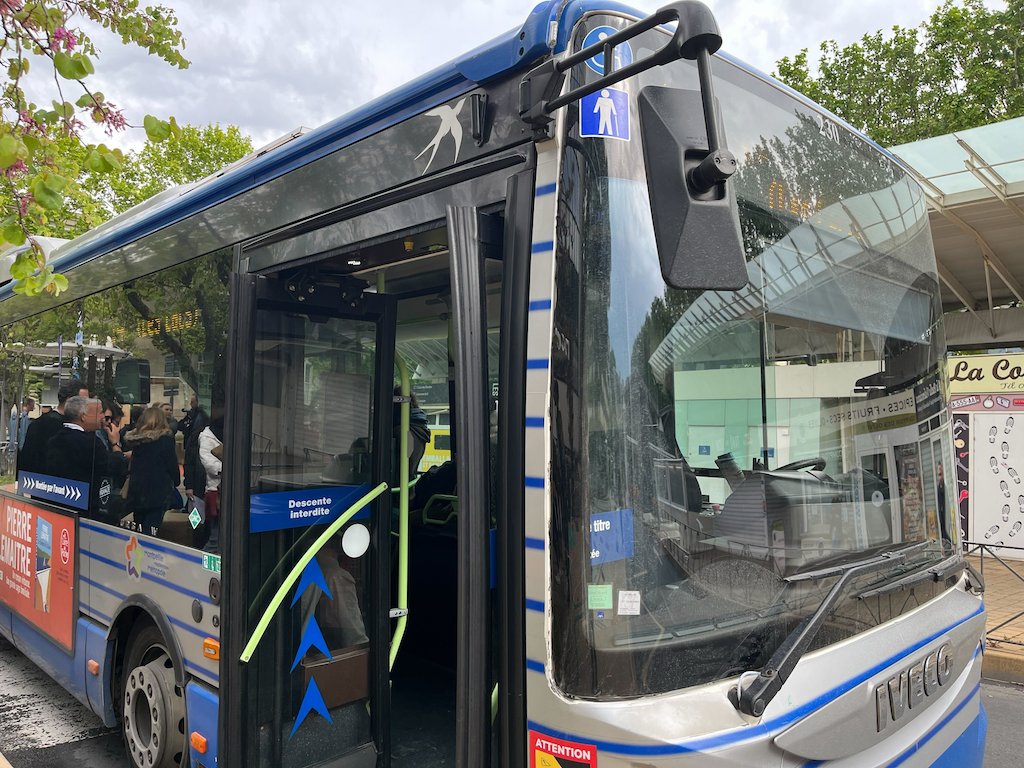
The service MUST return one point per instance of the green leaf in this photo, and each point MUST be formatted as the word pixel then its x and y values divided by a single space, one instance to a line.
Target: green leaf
pixel 95 163
pixel 54 19
pixel 32 286
pixel 53 182
pixel 24 265
pixel 46 197
pixel 156 129
pixel 9 146
pixel 59 284
pixel 65 66
pixel 85 63
pixel 32 143
pixel 15 235
pixel 85 100
pixel 112 160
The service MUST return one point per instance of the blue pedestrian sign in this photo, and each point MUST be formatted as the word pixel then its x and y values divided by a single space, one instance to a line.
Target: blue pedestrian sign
pixel 622 55
pixel 605 114
pixel 72 493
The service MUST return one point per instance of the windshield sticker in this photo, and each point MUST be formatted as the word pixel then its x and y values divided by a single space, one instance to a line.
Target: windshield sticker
pixel 549 752
pixel 622 55
pixel 604 114
pixel 599 597
pixel 611 536
pixel 629 602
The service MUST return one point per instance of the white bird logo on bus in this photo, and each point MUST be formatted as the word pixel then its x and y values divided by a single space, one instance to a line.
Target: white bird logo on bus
pixel 450 125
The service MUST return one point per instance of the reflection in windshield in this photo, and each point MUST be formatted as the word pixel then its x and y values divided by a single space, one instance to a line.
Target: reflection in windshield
pixel 711 446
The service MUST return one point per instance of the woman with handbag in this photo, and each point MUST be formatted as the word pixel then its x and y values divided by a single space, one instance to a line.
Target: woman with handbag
pixel 153 474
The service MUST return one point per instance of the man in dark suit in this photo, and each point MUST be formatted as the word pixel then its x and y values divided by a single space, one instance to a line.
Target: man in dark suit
pixel 77 453
pixel 32 455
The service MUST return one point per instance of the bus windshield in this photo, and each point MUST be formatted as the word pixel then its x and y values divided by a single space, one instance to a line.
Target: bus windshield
pixel 709 446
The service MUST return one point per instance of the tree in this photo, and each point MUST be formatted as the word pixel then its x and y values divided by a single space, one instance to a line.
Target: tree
pixel 961 68
pixel 195 287
pixel 195 153
pixel 42 153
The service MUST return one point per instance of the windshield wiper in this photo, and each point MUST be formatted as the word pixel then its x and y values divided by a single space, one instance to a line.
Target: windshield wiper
pixel 752 697
pixel 951 566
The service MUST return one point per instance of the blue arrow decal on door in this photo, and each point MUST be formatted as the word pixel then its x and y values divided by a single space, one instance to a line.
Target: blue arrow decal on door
pixel 312 701
pixel 311 574
pixel 312 637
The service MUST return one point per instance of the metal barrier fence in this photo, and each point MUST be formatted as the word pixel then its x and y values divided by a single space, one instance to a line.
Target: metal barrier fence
pixel 991 552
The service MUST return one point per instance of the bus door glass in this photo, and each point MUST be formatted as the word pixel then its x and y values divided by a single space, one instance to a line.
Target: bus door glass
pixel 313 584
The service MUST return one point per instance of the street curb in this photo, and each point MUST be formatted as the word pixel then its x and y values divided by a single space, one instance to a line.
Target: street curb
pixel 1003 666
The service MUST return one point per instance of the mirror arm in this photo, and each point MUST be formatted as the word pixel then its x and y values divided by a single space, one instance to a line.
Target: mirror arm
pixel 696 34
pixel 720 163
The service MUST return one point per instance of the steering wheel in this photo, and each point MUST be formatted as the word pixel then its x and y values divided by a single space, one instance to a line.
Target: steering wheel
pixel 817 464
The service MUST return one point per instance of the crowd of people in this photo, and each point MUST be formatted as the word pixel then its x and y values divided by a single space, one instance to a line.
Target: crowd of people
pixel 134 472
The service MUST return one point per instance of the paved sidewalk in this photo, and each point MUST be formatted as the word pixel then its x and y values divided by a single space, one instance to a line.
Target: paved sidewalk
pixel 1004 599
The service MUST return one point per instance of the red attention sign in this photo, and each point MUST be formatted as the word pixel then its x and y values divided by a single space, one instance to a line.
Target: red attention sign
pixel 37 568
pixel 549 752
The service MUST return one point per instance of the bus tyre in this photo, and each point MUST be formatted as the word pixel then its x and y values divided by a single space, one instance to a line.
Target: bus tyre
pixel 152 705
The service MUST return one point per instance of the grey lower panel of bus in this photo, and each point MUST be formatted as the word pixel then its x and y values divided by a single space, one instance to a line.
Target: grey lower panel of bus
pixel 116 564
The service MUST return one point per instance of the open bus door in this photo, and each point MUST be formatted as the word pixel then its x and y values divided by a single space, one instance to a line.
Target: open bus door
pixel 307 517
pixel 314 559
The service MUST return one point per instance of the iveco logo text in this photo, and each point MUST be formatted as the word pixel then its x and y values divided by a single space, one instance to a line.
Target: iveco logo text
pixel 911 687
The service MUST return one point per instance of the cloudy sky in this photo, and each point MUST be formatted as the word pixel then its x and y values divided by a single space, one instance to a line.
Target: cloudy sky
pixel 271 66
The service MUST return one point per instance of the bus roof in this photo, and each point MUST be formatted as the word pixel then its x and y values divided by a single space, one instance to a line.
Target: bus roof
pixel 514 51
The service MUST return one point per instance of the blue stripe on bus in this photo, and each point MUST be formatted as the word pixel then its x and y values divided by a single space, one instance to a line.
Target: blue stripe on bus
pixel 535 605
pixel 534 422
pixel 201 671
pixel 543 246
pixel 532 543
pixel 968 750
pixel 103 588
pixel 89 609
pixel 539 305
pixel 535 666
pixel 935 730
pixel 150 577
pixel 545 189
pixel 738 735
pixel 189 628
pixel 114 593
pixel 534 482
pixel 115 533
pixel 537 364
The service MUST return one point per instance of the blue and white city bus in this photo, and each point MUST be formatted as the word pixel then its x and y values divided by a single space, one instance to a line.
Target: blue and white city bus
pixel 687 330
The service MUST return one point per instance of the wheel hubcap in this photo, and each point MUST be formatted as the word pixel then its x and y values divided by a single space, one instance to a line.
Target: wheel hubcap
pixel 151 712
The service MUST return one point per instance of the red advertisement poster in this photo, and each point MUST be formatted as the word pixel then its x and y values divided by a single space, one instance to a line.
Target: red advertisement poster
pixel 37 568
pixel 549 752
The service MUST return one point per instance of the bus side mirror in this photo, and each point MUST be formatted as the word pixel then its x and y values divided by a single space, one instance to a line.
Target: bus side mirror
pixel 696 219
pixel 131 381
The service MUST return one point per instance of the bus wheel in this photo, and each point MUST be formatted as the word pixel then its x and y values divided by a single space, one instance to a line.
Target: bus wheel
pixel 152 705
